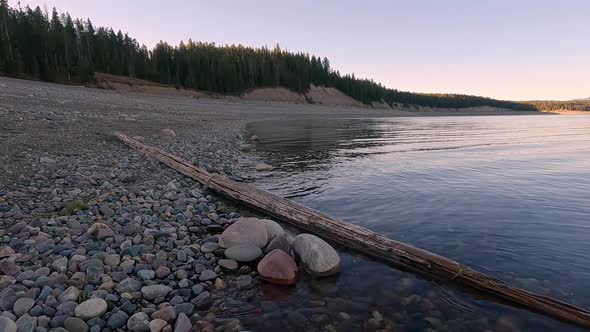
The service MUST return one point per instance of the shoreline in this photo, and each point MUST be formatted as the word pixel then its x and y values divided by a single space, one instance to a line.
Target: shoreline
pixel 59 155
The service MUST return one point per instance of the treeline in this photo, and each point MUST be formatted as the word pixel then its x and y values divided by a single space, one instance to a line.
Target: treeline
pixel 54 47
pixel 574 105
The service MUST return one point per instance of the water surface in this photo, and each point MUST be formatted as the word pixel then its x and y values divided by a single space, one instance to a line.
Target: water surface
pixel 506 195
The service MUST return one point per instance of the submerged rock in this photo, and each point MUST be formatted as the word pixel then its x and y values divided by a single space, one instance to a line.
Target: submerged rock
pixel 318 257
pixel 244 231
pixel 278 267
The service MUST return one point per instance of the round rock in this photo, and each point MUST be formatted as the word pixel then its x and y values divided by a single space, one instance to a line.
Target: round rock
pixel 243 253
pixel 6 325
pixel 244 231
pixel 273 229
pixel 89 309
pixel 278 267
pixel 139 322
pixel 155 291
pixel 22 306
pixel 318 257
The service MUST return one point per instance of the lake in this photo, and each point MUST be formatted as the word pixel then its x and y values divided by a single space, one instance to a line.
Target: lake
pixel 505 195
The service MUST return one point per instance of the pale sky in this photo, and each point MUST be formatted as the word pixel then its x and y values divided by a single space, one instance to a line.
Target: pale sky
pixel 507 49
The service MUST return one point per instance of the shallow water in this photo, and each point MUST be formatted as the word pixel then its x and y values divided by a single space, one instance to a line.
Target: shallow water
pixel 506 195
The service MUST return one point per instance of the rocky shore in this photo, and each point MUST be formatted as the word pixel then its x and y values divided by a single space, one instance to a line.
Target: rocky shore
pixel 95 237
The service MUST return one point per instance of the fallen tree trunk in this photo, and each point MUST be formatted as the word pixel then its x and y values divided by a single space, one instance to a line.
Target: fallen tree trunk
pixel 368 242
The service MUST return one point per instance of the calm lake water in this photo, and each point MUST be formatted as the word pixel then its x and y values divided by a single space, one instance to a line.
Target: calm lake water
pixel 506 195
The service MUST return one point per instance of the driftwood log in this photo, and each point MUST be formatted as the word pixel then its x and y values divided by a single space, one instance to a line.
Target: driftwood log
pixel 377 246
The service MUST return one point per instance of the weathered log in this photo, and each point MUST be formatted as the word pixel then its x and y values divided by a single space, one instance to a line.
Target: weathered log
pixel 402 255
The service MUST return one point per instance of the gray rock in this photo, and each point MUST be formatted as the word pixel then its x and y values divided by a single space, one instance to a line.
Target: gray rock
pixel 146 274
pixel 106 210
pixel 117 320
pixel 157 325
pixel 155 291
pixel 139 322
pixel 7 325
pixel 89 309
pixel 244 231
pixel 228 264
pixel 26 323
pixel 129 285
pixel 243 253
pixel 272 228
pixel 203 301
pixel 73 324
pixel 209 247
pixel 245 282
pixel 60 264
pixel 183 324
pixel 207 275
pixel 22 306
pixel 70 294
pixel 318 257
pixel 132 250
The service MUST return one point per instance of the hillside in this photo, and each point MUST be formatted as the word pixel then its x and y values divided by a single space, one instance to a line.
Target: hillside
pixel 60 49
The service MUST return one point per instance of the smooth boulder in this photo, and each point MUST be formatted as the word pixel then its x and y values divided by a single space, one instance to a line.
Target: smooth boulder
pixel 243 253
pixel 278 267
pixel 89 309
pixel 279 242
pixel 273 229
pixel 244 231
pixel 318 257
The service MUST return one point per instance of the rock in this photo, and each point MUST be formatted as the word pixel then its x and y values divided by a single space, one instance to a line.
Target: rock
pixel 155 291
pixel 168 132
pixel 22 306
pixel 244 231
pixel 95 307
pixel 245 282
pixel 207 275
pixel 106 211
pixel 278 267
pixel 70 294
pixel 132 250
pixel 318 257
pixel 273 229
pixel 263 167
pixel 279 242
pixel 99 230
pixel 6 252
pixel 117 320
pixel 139 322
pixel 146 274
pixel 46 160
pixel 73 324
pixel 243 253
pixel 6 325
pixel 209 247
pixel 8 267
pixel 167 314
pixel 228 264
pixel 26 323
pixel 129 285
pixel 183 324
pixel 203 300
pixel 162 272
pixel 157 325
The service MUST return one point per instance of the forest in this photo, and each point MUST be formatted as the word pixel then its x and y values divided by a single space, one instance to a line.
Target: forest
pixel 35 44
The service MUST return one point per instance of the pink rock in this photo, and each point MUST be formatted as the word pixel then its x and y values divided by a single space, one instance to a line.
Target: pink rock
pixel 278 267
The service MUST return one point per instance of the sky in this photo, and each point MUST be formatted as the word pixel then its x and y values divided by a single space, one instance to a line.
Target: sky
pixel 506 49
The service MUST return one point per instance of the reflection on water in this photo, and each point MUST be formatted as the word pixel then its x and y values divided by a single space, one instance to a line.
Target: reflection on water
pixel 504 195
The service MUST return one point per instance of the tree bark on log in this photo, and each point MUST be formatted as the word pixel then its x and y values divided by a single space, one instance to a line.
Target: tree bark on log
pixel 375 245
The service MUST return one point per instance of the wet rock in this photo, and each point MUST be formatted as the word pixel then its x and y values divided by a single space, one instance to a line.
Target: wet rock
pixel 263 167
pixel 243 253
pixel 245 282
pixel 318 257
pixel 278 267
pixel 244 231
pixel 89 309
